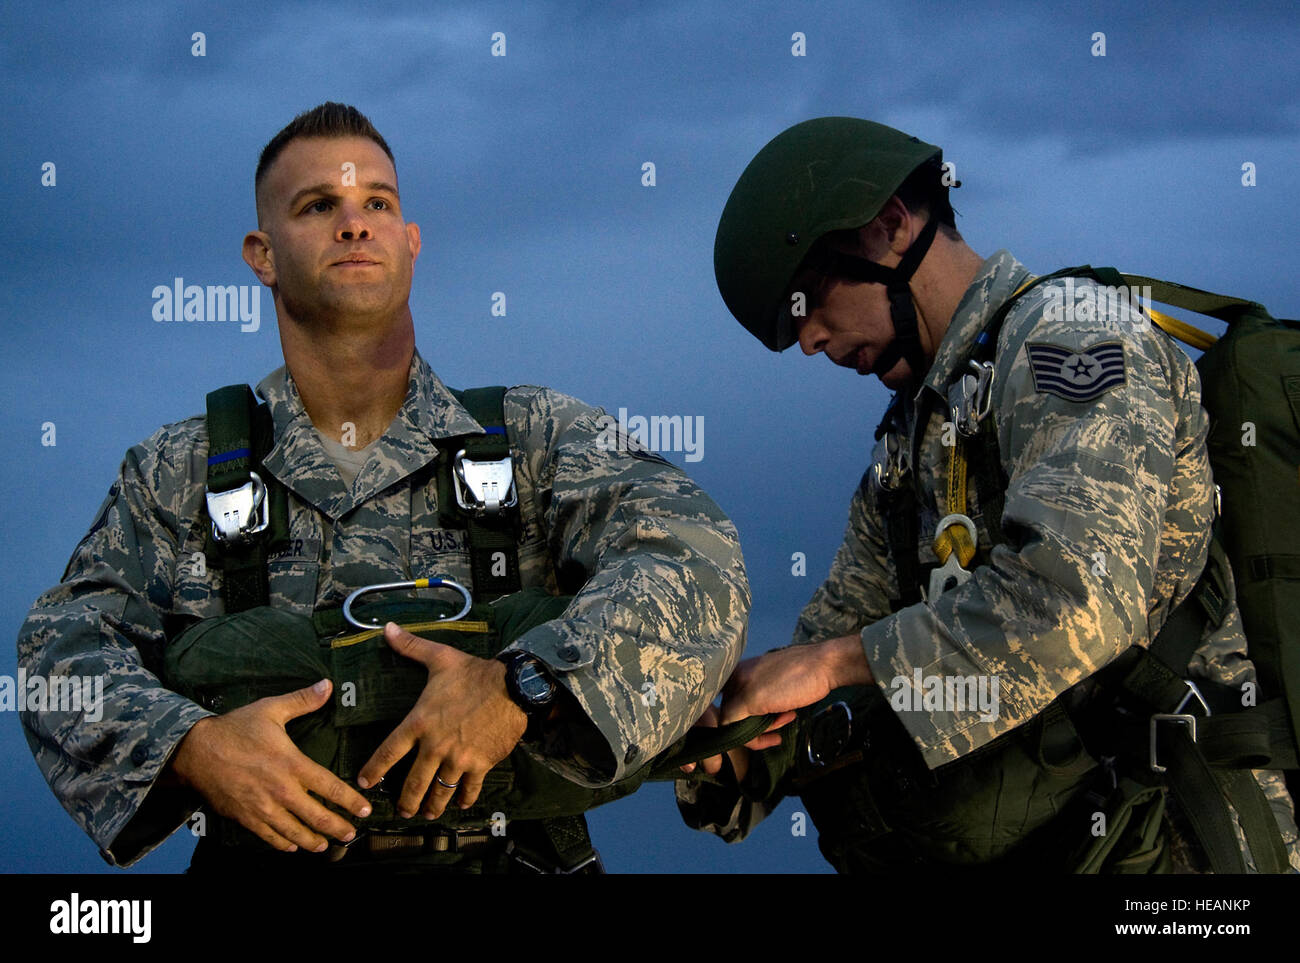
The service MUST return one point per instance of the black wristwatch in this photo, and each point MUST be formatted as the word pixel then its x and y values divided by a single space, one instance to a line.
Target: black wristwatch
pixel 529 684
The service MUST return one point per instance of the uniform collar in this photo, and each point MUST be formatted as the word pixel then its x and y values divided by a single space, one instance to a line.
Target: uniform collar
pixel 997 279
pixel 429 413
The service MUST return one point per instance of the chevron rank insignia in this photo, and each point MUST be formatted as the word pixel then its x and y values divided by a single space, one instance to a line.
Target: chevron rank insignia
pixel 1076 375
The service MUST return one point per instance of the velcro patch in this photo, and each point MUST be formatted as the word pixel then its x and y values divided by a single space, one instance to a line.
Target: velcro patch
pixel 1076 375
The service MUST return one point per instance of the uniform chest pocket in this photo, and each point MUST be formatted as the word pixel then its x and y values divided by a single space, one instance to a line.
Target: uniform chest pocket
pixel 292 576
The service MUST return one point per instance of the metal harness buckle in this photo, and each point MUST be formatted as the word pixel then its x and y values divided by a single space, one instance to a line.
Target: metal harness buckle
pixel 240 513
pixel 973 398
pixel 581 865
pixel 828 734
pixel 1179 717
pixel 483 487
pixel 889 473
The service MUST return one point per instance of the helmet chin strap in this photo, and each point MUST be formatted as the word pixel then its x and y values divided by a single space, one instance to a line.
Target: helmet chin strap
pixel 907 335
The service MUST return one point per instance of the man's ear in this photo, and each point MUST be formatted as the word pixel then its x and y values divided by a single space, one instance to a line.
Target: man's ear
pixel 258 256
pixel 413 239
pixel 893 229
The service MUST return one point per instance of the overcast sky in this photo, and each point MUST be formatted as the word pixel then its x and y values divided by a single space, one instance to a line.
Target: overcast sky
pixel 525 173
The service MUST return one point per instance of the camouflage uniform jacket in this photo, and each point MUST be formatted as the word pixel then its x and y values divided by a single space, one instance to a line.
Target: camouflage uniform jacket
pixel 1107 515
pixel 665 599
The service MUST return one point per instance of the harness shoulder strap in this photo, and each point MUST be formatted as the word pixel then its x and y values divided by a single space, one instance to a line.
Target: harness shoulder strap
pixel 248 507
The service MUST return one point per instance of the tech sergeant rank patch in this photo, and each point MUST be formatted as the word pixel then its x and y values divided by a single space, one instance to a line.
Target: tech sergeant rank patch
pixel 1076 375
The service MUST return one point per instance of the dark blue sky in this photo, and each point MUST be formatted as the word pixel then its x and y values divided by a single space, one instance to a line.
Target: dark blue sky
pixel 524 173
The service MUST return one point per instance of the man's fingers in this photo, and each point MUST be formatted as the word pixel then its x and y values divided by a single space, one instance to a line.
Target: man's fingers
pixel 282 821
pixel 322 820
pixel 471 784
pixel 412 646
pixel 390 751
pixel 417 783
pixel 328 786
pixel 291 705
pixel 765 741
pixel 445 783
pixel 269 835
pixel 712 765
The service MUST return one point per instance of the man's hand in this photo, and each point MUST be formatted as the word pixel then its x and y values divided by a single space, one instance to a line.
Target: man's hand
pixel 464 724
pixel 740 755
pixel 786 679
pixel 246 766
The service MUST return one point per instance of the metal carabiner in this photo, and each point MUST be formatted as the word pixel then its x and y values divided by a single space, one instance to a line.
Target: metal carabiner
pixel 418 583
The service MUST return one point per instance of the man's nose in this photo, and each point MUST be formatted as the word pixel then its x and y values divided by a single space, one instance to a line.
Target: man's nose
pixel 813 337
pixel 352 225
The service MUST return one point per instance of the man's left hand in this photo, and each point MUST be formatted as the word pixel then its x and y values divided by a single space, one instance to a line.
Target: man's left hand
pixel 793 677
pixel 464 723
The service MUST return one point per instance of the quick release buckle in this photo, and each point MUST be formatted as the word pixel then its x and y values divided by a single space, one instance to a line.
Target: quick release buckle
pixel 889 472
pixel 240 513
pixel 1179 717
pixel 973 398
pixel 829 732
pixel 483 487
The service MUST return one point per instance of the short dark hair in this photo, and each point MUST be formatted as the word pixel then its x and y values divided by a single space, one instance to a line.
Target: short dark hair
pixel 330 119
pixel 924 189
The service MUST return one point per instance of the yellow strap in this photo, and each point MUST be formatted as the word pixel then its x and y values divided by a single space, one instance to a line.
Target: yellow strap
pixel 955 537
pixel 415 628
pixel 1184 332
pixel 957 477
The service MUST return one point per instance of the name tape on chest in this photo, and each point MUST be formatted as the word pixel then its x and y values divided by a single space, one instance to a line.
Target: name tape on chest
pixel 1076 375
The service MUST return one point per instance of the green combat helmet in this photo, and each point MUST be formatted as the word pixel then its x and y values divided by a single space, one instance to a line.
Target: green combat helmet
pixel 822 175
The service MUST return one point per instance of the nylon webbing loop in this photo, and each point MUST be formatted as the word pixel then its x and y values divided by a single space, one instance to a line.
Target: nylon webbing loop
pixel 955 538
pixel 230 436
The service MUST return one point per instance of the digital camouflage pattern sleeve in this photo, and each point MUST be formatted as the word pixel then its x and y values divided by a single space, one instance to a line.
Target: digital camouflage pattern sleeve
pixel 105 620
pixel 659 622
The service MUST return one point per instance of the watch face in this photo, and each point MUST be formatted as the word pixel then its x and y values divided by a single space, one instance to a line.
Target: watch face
pixel 536 688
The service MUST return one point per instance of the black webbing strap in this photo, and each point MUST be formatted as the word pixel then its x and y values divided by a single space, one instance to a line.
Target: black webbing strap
pixel 493 538
pixel 570 845
pixel 239 437
pixel 903 529
pixel 989 477
pixel 230 437
pixel 1214 771
pixel 907 336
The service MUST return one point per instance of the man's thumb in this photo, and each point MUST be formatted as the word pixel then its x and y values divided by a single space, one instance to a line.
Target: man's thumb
pixel 302 701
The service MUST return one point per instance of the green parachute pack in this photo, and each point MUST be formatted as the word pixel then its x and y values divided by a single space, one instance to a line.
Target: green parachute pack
pixel 255 650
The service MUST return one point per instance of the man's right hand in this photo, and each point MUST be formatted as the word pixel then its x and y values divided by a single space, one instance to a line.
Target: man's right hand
pixel 246 766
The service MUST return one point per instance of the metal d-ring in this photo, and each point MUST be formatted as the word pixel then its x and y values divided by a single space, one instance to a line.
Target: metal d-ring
pixel 418 583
